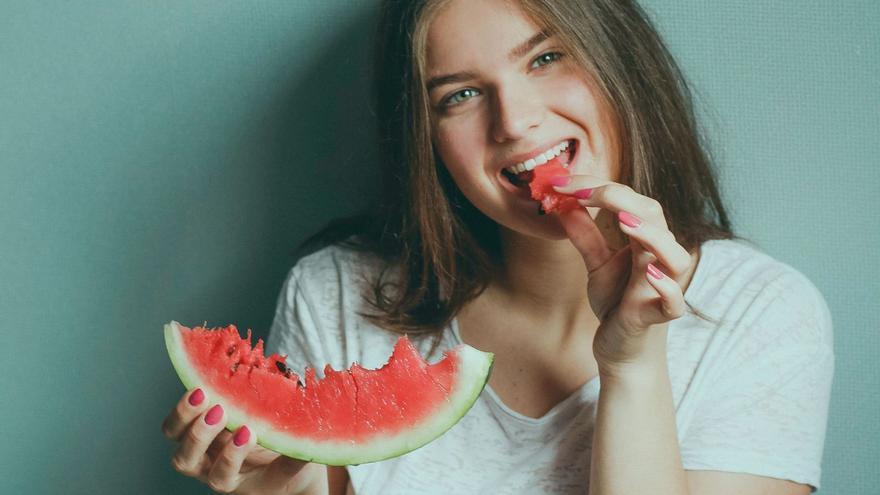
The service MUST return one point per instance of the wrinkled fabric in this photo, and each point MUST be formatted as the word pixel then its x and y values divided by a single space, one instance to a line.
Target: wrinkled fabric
pixel 751 391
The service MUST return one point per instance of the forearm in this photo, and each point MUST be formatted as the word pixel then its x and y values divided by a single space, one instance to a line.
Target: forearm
pixel 635 445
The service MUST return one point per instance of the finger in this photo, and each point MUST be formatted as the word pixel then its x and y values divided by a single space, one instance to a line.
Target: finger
pixel 671 305
pixel 220 441
pixel 579 186
pixel 577 182
pixel 188 408
pixel 638 289
pixel 659 241
pixel 609 275
pixel 586 237
pixel 651 297
pixel 190 456
pixel 225 473
pixel 614 197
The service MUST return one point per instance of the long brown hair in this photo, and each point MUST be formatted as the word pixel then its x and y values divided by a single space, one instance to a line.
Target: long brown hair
pixel 442 248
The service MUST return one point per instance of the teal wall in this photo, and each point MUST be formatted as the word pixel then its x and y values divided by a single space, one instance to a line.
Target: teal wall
pixel 159 160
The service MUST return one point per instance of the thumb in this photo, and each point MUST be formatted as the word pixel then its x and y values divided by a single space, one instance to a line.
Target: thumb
pixel 586 237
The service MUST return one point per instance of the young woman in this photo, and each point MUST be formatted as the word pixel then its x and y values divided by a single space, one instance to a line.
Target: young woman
pixel 640 346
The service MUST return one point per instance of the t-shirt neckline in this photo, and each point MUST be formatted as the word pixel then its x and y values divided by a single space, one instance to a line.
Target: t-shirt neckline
pixel 586 392
pixel 589 391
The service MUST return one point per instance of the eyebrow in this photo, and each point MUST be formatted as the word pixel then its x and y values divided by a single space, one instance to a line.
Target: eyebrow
pixel 517 53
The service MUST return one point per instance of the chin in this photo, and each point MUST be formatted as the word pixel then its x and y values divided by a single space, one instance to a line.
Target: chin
pixel 541 227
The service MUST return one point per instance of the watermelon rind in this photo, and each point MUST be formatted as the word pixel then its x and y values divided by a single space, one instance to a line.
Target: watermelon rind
pixel 474 367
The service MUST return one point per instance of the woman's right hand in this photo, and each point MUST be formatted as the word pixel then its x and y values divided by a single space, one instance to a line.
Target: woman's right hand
pixel 208 452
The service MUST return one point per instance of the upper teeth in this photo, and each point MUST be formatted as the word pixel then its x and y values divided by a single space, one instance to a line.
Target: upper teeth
pixel 540 159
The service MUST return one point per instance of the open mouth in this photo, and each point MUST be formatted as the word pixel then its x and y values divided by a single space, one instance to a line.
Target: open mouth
pixel 522 179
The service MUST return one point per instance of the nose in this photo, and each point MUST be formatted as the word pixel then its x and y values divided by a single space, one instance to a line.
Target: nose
pixel 515 111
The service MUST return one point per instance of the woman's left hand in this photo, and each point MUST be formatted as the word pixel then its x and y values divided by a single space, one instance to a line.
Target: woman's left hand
pixel 634 290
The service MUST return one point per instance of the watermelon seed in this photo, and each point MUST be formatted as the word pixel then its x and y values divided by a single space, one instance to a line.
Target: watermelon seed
pixel 283 368
pixel 235 367
pixel 230 350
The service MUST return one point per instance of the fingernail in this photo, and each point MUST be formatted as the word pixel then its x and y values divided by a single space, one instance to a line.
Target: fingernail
pixel 560 181
pixel 196 397
pixel 654 272
pixel 214 415
pixel 583 193
pixel 241 436
pixel 629 219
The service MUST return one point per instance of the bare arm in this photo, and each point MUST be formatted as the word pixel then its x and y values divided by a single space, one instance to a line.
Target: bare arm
pixel 635 444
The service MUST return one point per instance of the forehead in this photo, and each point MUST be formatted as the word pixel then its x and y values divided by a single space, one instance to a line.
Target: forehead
pixel 470 32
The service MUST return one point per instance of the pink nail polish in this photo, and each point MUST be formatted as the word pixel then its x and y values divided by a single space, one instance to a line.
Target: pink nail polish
pixel 560 181
pixel 583 193
pixel 214 415
pixel 196 397
pixel 629 219
pixel 241 436
pixel 654 272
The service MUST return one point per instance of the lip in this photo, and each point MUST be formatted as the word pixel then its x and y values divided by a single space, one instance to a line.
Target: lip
pixel 513 160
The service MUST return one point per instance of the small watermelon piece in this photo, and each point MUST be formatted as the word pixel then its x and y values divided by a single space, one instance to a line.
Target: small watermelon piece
pixel 349 417
pixel 543 191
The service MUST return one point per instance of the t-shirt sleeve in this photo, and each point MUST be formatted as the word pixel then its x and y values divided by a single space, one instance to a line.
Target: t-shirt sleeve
pixel 296 328
pixel 765 412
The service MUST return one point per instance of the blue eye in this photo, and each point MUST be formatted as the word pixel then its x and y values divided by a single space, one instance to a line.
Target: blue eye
pixel 447 101
pixel 549 57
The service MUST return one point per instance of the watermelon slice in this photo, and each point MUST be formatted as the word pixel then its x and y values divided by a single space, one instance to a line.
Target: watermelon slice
pixel 349 417
pixel 543 191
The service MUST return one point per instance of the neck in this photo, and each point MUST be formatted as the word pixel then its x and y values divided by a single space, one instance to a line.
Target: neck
pixel 542 281
pixel 546 280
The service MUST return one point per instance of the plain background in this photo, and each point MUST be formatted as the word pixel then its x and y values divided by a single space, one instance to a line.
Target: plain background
pixel 160 160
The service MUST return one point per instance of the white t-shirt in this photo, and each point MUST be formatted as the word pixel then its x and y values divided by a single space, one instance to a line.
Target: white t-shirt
pixel 751 393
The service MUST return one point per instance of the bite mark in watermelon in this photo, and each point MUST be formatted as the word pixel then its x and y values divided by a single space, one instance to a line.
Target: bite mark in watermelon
pixel 349 417
pixel 543 191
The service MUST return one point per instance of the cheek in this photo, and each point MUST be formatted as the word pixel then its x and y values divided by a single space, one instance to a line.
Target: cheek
pixel 577 99
pixel 458 147
pixel 459 141
pixel 582 105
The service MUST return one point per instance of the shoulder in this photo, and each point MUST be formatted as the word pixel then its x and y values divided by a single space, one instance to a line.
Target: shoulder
pixel 332 274
pixel 732 269
pixel 754 384
pixel 331 261
pixel 739 283
pixel 736 262
pixel 321 307
pixel 333 283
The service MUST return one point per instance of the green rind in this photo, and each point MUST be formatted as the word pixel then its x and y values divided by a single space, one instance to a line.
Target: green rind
pixel 178 357
pixel 475 368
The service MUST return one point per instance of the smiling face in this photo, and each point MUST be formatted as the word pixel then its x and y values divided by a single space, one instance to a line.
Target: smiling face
pixel 517 93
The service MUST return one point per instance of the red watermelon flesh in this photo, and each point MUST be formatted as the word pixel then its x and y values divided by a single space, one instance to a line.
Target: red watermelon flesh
pixel 543 191
pixel 349 417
